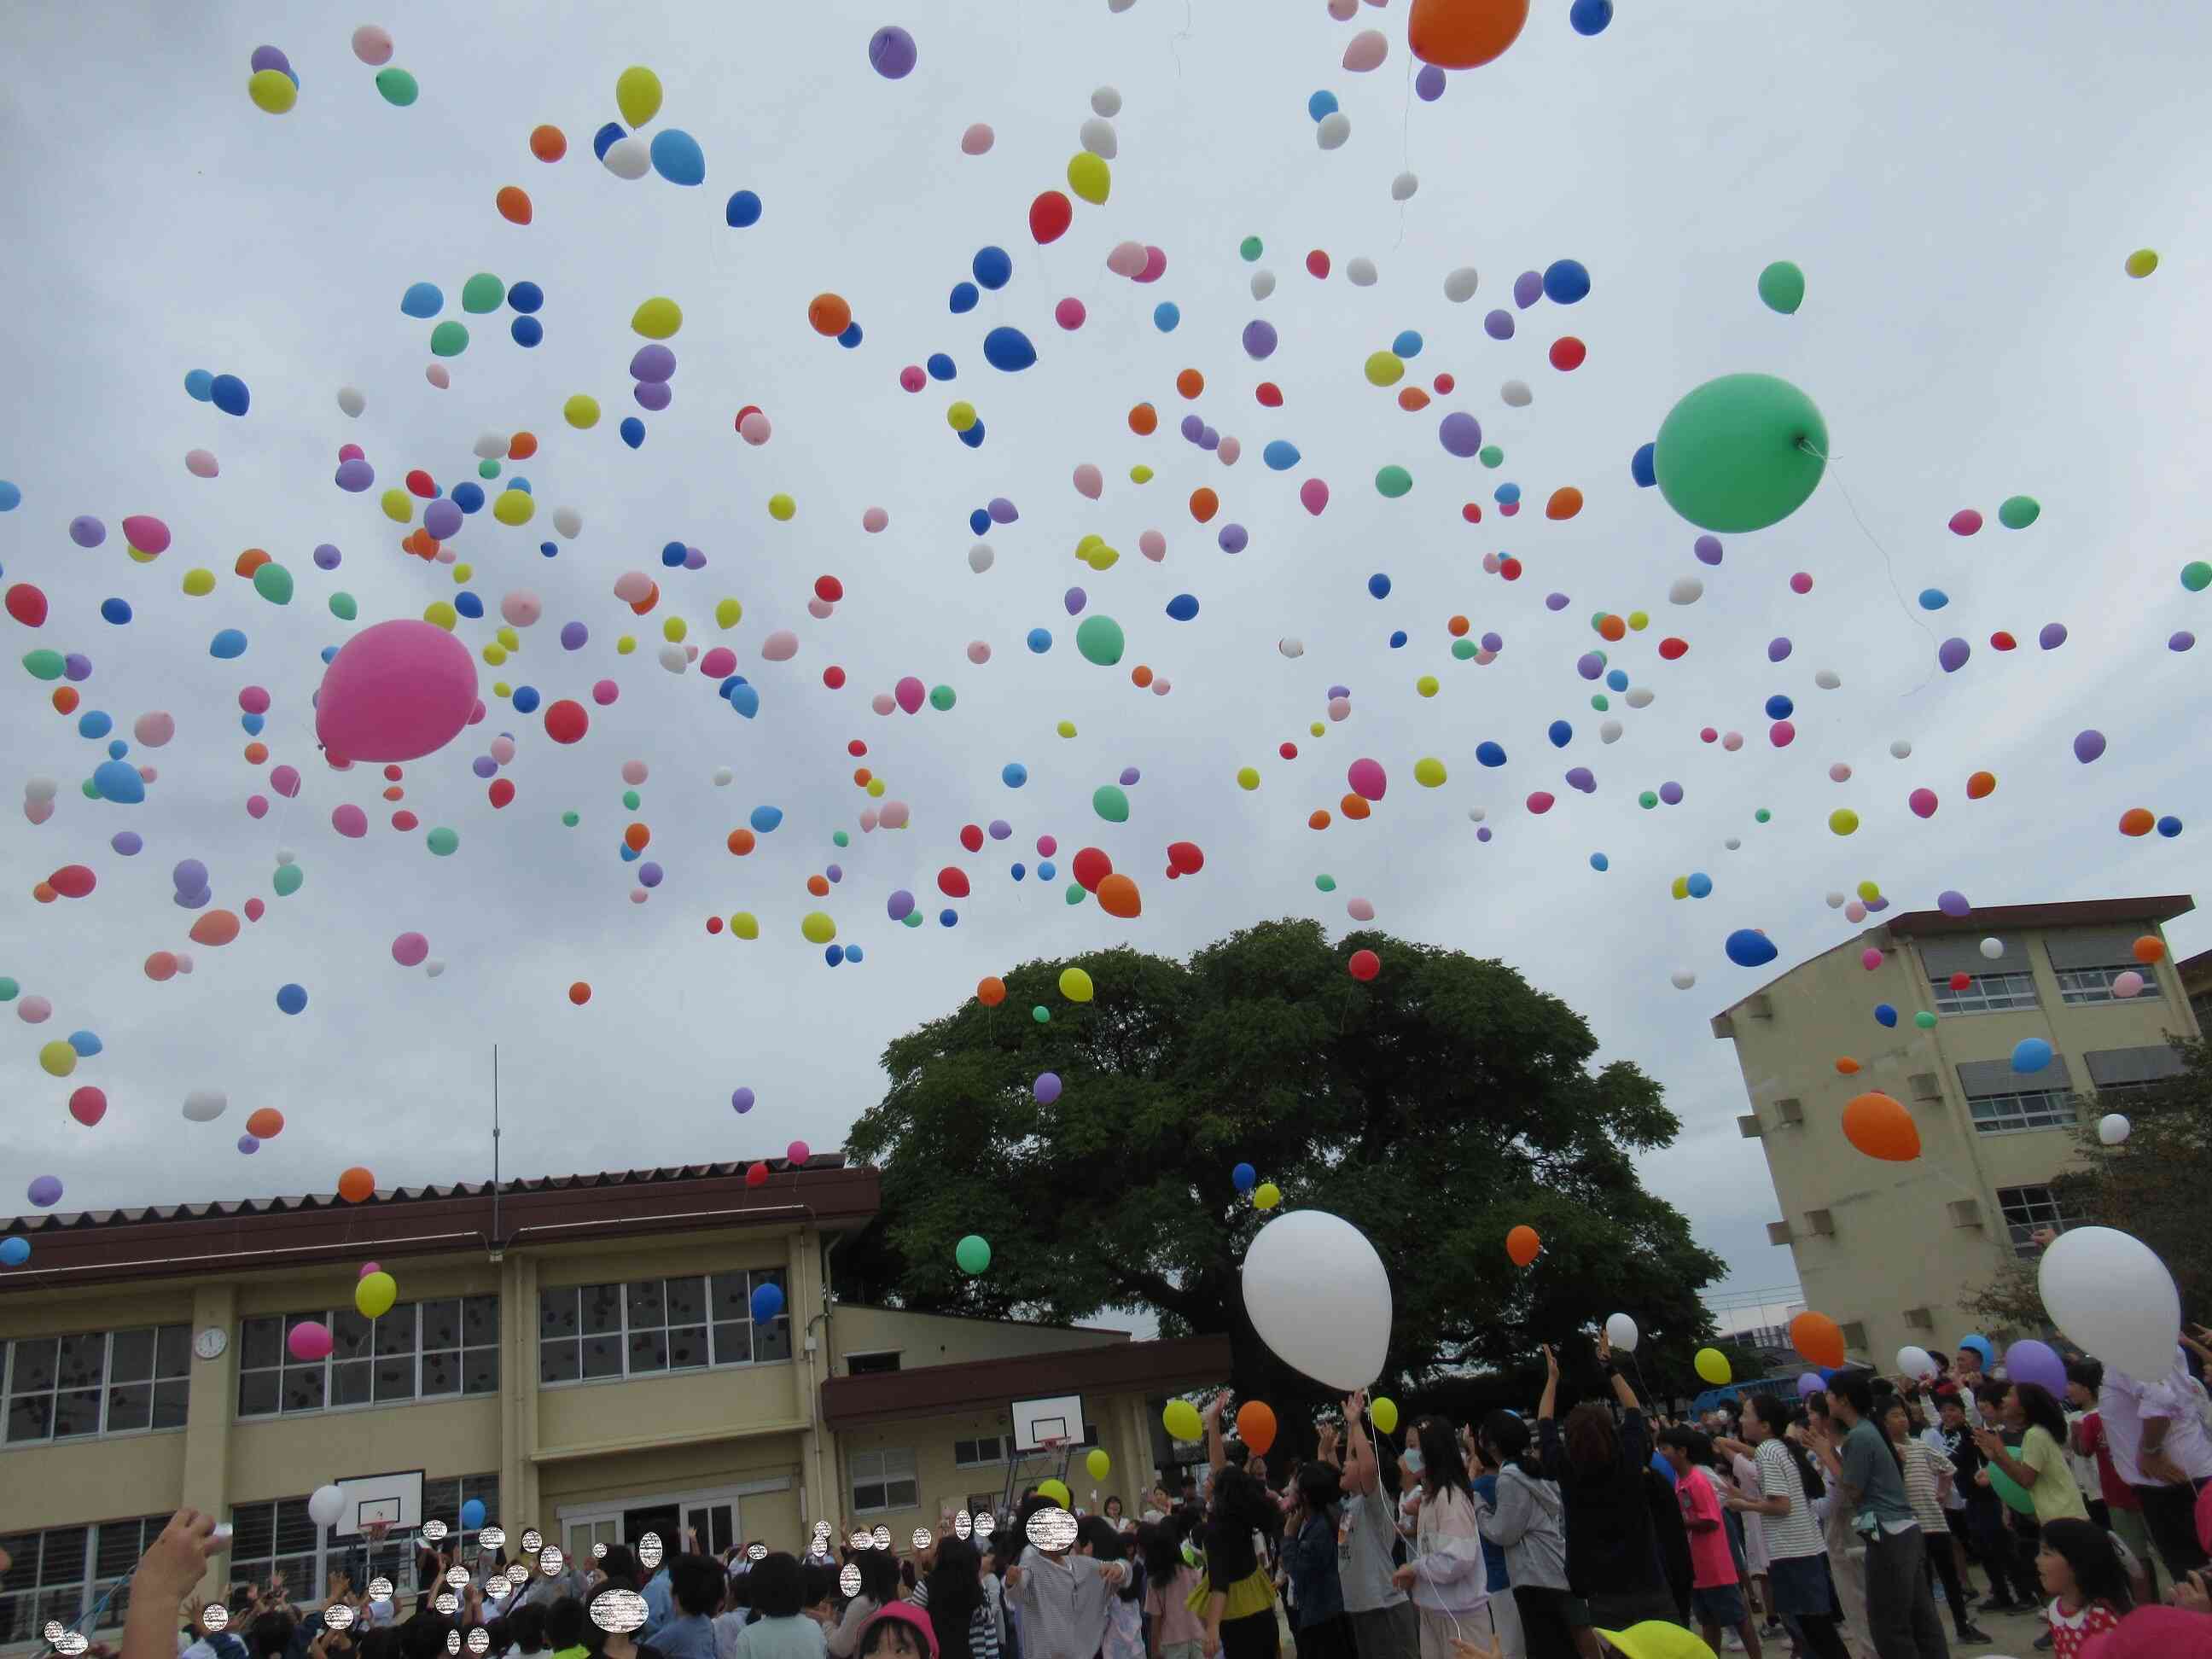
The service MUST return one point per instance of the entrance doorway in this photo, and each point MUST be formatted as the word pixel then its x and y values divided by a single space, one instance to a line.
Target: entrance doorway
pixel 714 1515
pixel 660 1518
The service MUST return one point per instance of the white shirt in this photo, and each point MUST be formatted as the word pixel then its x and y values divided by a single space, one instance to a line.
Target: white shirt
pixel 2124 1402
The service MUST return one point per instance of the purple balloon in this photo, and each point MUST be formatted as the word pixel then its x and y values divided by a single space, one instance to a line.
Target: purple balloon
pixel 1482 832
pixel 191 876
pixel 1708 549
pixel 1129 775
pixel 1809 1383
pixel 268 57
pixel 1259 339
pixel 573 635
pixel 46 1191
pixel 1555 602
pixel 653 395
pixel 128 842
pixel 1046 1088
pixel 1671 793
pixel 741 1100
pixel 1581 778
pixel 1191 428
pixel 1429 84
pixel 76 668
pixel 1002 510
pixel 1335 691
pixel 2031 1361
pixel 1877 904
pixel 442 519
pixel 2182 640
pixel 248 1145
pixel 1528 288
pixel 484 766
pixel 648 874
pixel 834 871
pixel 1499 324
pixel 654 362
pixel 1493 643
pixel 1778 648
pixel 1234 539
pixel 1953 902
pixel 1000 828
pixel 899 906
pixel 891 52
pixel 1953 655
pixel 192 900
pixel 1075 599
pixel 1209 440
pixel 327 557
pixel 355 476
pixel 2052 636
pixel 1589 665
pixel 2088 744
pixel 694 559
pixel 1461 434
pixel 87 530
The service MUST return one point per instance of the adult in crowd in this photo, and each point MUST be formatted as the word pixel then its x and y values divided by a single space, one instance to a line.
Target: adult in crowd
pixel 1901 1619
pixel 1612 1563
pixel 1383 1623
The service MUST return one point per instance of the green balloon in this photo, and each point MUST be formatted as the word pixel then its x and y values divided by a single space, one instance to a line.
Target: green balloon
pixel 1041 1014
pixel 1491 455
pixel 1327 883
pixel 630 798
pixel 1463 648
pixel 1761 815
pixel 398 87
pixel 1394 482
pixel 91 789
pixel 1781 286
pixel 841 838
pixel 973 1253
pixel 913 918
pixel 1648 800
pixel 1600 702
pixel 273 583
pixel 942 697
pixel 1249 247
pixel 482 293
pixel 1110 802
pixel 2010 1490
pixel 486 469
pixel 1740 453
pixel 1924 1020
pixel 443 841
pixel 1075 892
pixel 2018 512
pixel 287 879
pixel 1099 639
pixel 2196 576
pixel 43 664
pixel 571 817
pixel 449 339
pixel 343 607
pixel 8 989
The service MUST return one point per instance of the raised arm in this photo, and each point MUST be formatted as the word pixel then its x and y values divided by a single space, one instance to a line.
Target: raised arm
pixel 1545 1407
pixel 1622 1391
pixel 1360 1471
pixel 1217 1451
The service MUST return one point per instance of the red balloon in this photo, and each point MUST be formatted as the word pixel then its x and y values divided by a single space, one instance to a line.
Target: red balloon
pixel 1540 802
pixel 1509 567
pixel 501 791
pixel 2001 641
pixel 713 924
pixel 1568 352
pixel 1185 858
pixel 828 589
pixel 87 1105
pixel 952 881
pixel 1364 965
pixel 27 604
pixel 1269 394
pixel 254 908
pixel 420 483
pixel 1050 215
pixel 1089 867
pixel 756 1176
pixel 72 881
pixel 1472 512
pixel 1671 647
pixel 1317 262
pixel 971 837
pixel 566 720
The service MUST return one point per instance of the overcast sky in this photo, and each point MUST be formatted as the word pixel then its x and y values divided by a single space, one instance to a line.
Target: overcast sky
pixel 1959 190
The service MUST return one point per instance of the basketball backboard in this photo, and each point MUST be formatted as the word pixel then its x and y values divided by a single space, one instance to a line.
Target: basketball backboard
pixel 395 1499
pixel 1055 1418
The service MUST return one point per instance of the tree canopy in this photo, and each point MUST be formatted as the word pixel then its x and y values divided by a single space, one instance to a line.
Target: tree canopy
pixel 1435 1108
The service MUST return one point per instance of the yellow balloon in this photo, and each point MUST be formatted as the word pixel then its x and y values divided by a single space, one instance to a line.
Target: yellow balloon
pixel 1088 546
pixel 1266 1196
pixel 1427 685
pixel 513 507
pixel 961 416
pixel 1181 1421
pixel 502 689
pixel 728 613
pixel 57 1058
pixel 658 318
pixel 1712 1365
pixel 272 91
pixel 398 507
pixel 461 574
pixel 2142 262
pixel 817 927
pixel 581 411
pixel 1680 890
pixel 1384 1410
pixel 674 629
pixel 199 583
pixel 1248 777
pixel 1869 891
pixel 1089 178
pixel 1066 728
pixel 1843 820
pixel 439 614
pixel 1140 474
pixel 1385 368
pixel 1102 557
pixel 509 638
pixel 637 95
pixel 1428 771
pixel 1638 621
pixel 625 644
pixel 1098 1463
pixel 1056 1490
pixel 494 653
pixel 1074 985
pixel 780 507
pixel 745 925
pixel 876 788
pixel 1317 728
pixel 373 1294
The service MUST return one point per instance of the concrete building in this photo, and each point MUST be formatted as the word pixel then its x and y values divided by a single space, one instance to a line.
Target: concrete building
pixel 1889 1250
pixel 578 1354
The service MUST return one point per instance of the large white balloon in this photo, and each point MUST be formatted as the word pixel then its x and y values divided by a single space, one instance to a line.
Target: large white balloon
pixel 1913 1361
pixel 1620 1331
pixel 326 1504
pixel 2111 1295
pixel 1459 287
pixel 350 401
pixel 2113 1129
pixel 1317 1295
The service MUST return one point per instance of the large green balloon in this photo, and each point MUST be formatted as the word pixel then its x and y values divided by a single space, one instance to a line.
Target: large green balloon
pixel 1099 639
pixel 1109 801
pixel 2018 512
pixel 1781 286
pixel 273 583
pixel 1738 453
pixel 482 293
pixel 973 1253
pixel 2011 1490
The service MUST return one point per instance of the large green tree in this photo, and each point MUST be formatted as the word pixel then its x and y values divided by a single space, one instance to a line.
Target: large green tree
pixel 1434 1108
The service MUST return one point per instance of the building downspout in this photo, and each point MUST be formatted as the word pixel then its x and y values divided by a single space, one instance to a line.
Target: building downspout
pixel 818 1489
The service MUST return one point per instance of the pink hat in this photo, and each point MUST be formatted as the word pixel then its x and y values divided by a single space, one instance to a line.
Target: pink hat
pixel 2154 1633
pixel 907 1613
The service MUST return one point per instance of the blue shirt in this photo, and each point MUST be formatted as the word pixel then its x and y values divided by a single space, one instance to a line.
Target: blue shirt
pixel 687 1636
pixel 1494 1555
pixel 659 1605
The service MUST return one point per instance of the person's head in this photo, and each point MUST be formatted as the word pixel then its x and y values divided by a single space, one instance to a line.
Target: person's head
pixel 817 1584
pixel 1238 1454
pixel 2085 1375
pixel 907 1579
pixel 1190 1489
pixel 270 1635
pixel 1320 1488
pixel 2076 1561
pixel 1095 1536
pixel 1503 1439
pixel 526 1627
pixel 1954 1412
pixel 1161 1545
pixel 423 1636
pixel 1765 1419
pixel 776 1585
pixel 1968 1363
pixel 879 1576
pixel 1686 1449
pixel 621 1562
pixel 697 1583
pixel 1851 1397
pixel 499 1635
pixel 2030 1406
pixel 1257 1469
pixel 1592 1443
pixel 566 1622
pixel 897 1630
pixel 1114 1507
pixel 1896 1420
pixel 1443 1468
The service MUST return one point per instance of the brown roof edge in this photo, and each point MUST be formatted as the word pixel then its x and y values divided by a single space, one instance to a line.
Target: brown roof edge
pixel 2190 966
pixel 103 1247
pixel 1163 1365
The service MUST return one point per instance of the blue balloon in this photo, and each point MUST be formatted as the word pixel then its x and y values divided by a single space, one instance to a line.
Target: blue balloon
pixel 1398 638
pixel 765 819
pixel 1565 281
pixel 1182 607
pixel 1280 456
pixel 525 699
pixel 468 496
pixel 1641 468
pixel 228 644
pixel 95 723
pixel 671 555
pixel 1244 1175
pixel 607 138
pixel 518 482
pixel 1599 861
pixel 1039 640
pixel 1560 733
pixel 1779 708
pixel 744 209
pixel 1407 344
pixel 119 780
pixel 1884 1014
pixel 1700 885
pixel 677 158
pixel 852 953
pixel 228 393
pixel 992 266
pixel 549 550
pixel 965 298
pixel 1019 871
pixel 1379 586
pixel 1013 775
pixel 15 1252
pixel 1008 348
pixel 421 300
pixel 1748 948
pixel 468 604
pixel 115 611
pixel 1934 598
pixel 118 750
pixel 834 955
pixel 526 332
pixel 768 1301
pixel 852 336
pixel 979 522
pixel 633 433
pixel 1045 869
pixel 629 854
pixel 1490 754
pixel 2169 826
pixel 1590 16
pixel 1617 679
pixel 1320 105
pixel 1166 315
pixel 973 437
pixel 948 917
pixel 472 1515
pixel 745 699
pixel 525 296
pixel 253 724
pixel 291 998
pixel 2031 1054
pixel 199 385
pixel 1506 494
pixel 940 367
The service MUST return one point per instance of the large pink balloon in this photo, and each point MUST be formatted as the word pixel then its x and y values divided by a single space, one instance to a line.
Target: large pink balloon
pixel 309 1341
pixel 396 691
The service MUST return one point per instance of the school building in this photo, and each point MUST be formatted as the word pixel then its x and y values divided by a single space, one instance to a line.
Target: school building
pixel 1891 1250
pixel 580 1354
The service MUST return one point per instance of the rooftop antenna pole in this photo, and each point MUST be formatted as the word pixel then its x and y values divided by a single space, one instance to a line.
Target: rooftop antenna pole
pixel 497 1242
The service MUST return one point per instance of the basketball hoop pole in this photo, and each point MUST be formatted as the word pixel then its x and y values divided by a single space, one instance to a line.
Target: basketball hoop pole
pixel 1040 1462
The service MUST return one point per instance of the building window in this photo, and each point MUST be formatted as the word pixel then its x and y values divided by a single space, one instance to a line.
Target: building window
pixel 988 1449
pixel 2027 1210
pixel 418 1351
pixel 64 1573
pixel 2042 1108
pixel 883 1480
pixel 878 1363
pixel 652 1326
pixel 282 1538
pixel 2095 984
pixel 98 1383
pixel 1986 994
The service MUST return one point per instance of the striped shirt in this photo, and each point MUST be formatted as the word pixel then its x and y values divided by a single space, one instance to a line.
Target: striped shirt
pixel 1798 1533
pixel 1921 1487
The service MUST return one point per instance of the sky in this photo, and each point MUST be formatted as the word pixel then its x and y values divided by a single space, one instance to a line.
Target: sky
pixel 1959 190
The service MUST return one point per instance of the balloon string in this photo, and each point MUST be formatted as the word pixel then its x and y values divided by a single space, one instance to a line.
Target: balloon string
pixel 1405 152
pixel 1806 444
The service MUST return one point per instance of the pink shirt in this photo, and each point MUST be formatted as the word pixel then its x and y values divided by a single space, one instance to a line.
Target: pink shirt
pixel 1712 1562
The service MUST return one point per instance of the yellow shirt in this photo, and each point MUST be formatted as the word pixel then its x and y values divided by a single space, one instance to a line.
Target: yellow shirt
pixel 2054 1494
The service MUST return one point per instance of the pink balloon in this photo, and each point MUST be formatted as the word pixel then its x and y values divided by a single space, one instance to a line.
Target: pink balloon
pixel 1313 496
pixel 868 821
pixel 780 645
pixel 1732 741
pixel 896 815
pixel 1127 259
pixel 368 1268
pixel 1870 958
pixel 1360 909
pixel 257 806
pixel 1342 10
pixel 409 949
pixel 1155 265
pixel 882 703
pixel 309 1341
pixel 1839 772
pixel 285 780
pixel 349 821
pixel 912 378
pixel 201 464
pixel 396 691
pixel 797 1152
pixel 632 586
pixel 34 1010
pixel 1490 564
pixel 502 750
pixel 1966 521
pixel 910 693
pixel 1340 708
pixel 639 895
pixel 1366 778
pixel 719 664
pixel 1854 911
pixel 634 772
pixel 604 692
pixel 146 532
pixel 1923 803
pixel 819 608
pixel 1153 545
pixel 372 43
pixel 2130 984
pixel 755 428
pixel 874 520
pixel 978 652
pixel 1367 51
pixel 1229 451
pixel 977 140
pixel 153 730
pixel 1088 481
pixel 437 376
pixel 521 608
pixel 1069 313
pixel 253 700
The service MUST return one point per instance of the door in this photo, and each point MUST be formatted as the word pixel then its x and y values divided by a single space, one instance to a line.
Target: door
pixel 582 1534
pixel 714 1525
pixel 662 1518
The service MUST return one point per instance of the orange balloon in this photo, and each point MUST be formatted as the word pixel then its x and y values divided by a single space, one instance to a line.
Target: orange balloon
pixel 1190 383
pixel 990 990
pixel 65 699
pixel 1118 897
pixel 522 446
pixel 579 993
pixel 637 837
pixel 249 562
pixel 1846 1065
pixel 2137 821
pixel 1566 502
pixel 1881 1129
pixel 266 1124
pixel 1204 504
pixel 1140 676
pixel 2148 949
pixel 513 204
pixel 829 315
pixel 1611 627
pixel 1462 34
pixel 395 792
pixel 652 598
pixel 1981 784
pixel 1255 1425
pixel 256 752
pixel 741 841
pixel 1411 399
pixel 1354 806
pixel 214 928
pixel 1458 625
pixel 357 1185
pixel 861 774
pixel 818 885
pixel 1818 1338
pixel 1144 420
pixel 548 142
pixel 1319 818
pixel 44 893
pixel 1522 1245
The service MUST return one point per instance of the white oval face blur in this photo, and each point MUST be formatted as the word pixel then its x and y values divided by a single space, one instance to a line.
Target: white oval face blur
pixel 380 1589
pixel 618 1611
pixel 551 1560
pixel 453 1641
pixel 215 1617
pixel 986 1523
pixel 755 1552
pixel 862 1540
pixel 848 1579
pixel 491 1538
pixel 518 1575
pixel 1052 1530
pixel 532 1541
pixel 479 1639
pixel 962 1525
pixel 599 1552
pixel 433 1531
pixel 883 1537
pixel 447 1602
pixel 71 1643
pixel 338 1616
pixel 53 1631
pixel 458 1575
pixel 921 1538
pixel 648 1550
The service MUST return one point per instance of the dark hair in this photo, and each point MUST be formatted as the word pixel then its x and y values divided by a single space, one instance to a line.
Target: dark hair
pixel 565 1624
pixel 423 1636
pixel 1031 1507
pixel 1775 1417
pixel 1507 1438
pixel 1592 1443
pixel 1108 1543
pixel 776 1585
pixel 956 1590
pixel 818 1582
pixel 698 1582
pixel 1442 1465
pixel 381 1642
pixel 879 1576
pixel 621 1562
pixel 1695 1444
pixel 1855 1389
pixel 2096 1565
pixel 269 1635
pixel 498 1636
pixel 1113 1502
pixel 2086 1370
pixel 1990 1392
pixel 1161 1545
pixel 2041 1411
pixel 1321 1487
pixel 526 1627
pixel 877 1628
pixel 907 1578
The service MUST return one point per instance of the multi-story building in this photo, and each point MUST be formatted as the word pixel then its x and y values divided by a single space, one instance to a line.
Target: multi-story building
pixel 1892 1250
pixel 580 1354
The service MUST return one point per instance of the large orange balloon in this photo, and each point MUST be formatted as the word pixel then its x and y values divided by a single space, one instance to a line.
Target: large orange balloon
pixel 1255 1425
pixel 1879 1127
pixel 990 990
pixel 1204 503
pixel 513 204
pixel 1522 1245
pixel 266 1124
pixel 2148 949
pixel 829 315
pixel 215 927
pixel 1118 897
pixel 1458 34
pixel 357 1185
pixel 1566 502
pixel 1819 1338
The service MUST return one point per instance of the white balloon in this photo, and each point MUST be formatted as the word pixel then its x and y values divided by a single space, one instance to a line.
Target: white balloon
pixel 1263 283
pixel 435 966
pixel 1097 135
pixel 37 789
pixel 1620 1331
pixel 351 400
pixel 1608 730
pixel 1475 815
pixel 1333 130
pixel 2113 1129
pixel 1459 287
pixel 326 1504
pixel 1318 1297
pixel 490 446
pixel 1106 102
pixel 722 776
pixel 569 522
pixel 2113 1298
pixel 1913 1361
pixel 1992 948
pixel 1686 590
pixel 1516 394
pixel 286 855
pixel 1359 270
pixel 1827 679
pixel 672 659
pixel 1900 749
pixel 1835 901
pixel 204 1105
pixel 1640 698
pixel 1683 979
pixel 628 158
pixel 981 557
pixel 1732 843
pixel 1117 7
pixel 1403 186
pixel 1291 647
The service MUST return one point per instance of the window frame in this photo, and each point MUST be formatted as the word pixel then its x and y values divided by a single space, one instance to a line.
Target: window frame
pixel 2022 1118
pixel 396 1560
pixel 105 1388
pixel 90 1583
pixel 2100 995
pixel 371 1356
pixel 886 1477
pixel 1975 1000
pixel 2033 1202
pixel 621 1334
pixel 999 1455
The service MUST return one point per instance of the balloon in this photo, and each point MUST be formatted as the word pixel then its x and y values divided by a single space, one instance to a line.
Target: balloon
pixel 677 158
pixel 2006 1487
pixel 973 1253
pixel 1748 948
pixel 1712 1365
pixel 767 1302
pixel 1255 1425
pixel 2018 512
pixel 326 1503
pixel 272 91
pixel 1384 1410
pixel 637 95
pixel 892 52
pixel 1620 1331
pixel 1739 452
pixel 1879 1127
pixel 2113 1129
pixel 2031 1054
pixel 1181 1421
pixel 1367 51
pixel 374 1293
pixel 1118 897
pixel 1099 639
pixel 1098 1463
pixel 1075 984
pixel 1460 34
pixel 395 691
pixel 1008 349
pixel 1915 1362
pixel 398 88
pixel 1522 1245
pixel 1810 1383
pixel 1089 178
pixel 307 1340
pixel 1818 1338
pixel 2031 1361
pixel 1781 286
pixel 2113 1298
pixel 1317 1295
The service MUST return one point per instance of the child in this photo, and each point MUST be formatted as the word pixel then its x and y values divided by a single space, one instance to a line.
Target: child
pixel 897 1630
pixel 1716 1593
pixel 1125 1612
pixel 1059 1589
pixel 777 1587
pixel 1175 1633
pixel 2081 1573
